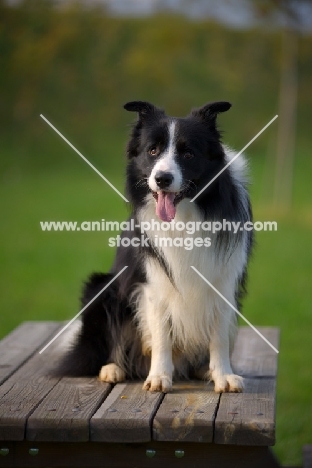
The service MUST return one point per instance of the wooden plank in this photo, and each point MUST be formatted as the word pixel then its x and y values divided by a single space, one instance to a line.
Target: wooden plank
pixel 307 456
pixel 21 393
pixel 22 343
pixel 93 454
pixel 187 413
pixel 249 418
pixel 252 356
pixel 65 412
pixel 126 415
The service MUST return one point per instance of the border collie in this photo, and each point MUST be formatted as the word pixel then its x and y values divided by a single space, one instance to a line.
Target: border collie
pixel 159 320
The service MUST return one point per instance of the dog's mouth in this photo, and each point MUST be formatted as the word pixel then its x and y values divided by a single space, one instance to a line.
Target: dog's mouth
pixel 166 203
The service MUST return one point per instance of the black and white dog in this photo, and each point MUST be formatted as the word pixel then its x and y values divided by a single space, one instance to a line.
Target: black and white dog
pixel 159 320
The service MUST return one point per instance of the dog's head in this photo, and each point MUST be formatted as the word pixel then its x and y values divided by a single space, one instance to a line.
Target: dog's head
pixel 173 158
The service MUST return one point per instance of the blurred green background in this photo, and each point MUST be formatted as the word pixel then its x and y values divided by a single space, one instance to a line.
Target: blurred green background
pixel 77 66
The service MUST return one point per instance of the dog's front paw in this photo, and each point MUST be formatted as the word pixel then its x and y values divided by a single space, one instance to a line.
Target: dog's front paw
pixel 158 383
pixel 228 383
pixel 112 373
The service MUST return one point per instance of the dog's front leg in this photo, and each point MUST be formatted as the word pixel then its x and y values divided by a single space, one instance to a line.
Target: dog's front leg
pixel 220 370
pixel 160 375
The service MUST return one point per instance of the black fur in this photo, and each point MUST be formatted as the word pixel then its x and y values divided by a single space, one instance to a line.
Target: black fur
pixel 104 321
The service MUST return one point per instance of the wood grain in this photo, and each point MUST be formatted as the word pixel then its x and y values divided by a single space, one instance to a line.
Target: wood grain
pixel 22 343
pixel 187 413
pixel 65 412
pixel 126 415
pixel 21 393
pixel 248 418
pixel 252 356
pixel 307 456
pixel 76 409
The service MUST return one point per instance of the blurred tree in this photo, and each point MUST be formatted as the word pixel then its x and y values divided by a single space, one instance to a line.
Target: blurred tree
pixel 290 16
pixel 79 65
pixel 287 14
pixel 286 136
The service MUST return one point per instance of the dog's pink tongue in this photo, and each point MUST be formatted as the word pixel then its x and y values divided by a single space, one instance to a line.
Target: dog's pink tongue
pixel 165 208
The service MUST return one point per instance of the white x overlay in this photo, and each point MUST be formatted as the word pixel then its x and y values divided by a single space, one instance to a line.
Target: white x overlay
pixel 125 199
pixel 82 310
pixel 233 159
pixel 84 158
pixel 234 308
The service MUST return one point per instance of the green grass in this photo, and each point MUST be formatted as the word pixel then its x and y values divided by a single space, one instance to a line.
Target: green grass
pixel 279 279
pixel 42 272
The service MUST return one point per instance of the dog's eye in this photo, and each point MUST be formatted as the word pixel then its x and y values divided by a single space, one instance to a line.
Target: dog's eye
pixel 153 151
pixel 188 155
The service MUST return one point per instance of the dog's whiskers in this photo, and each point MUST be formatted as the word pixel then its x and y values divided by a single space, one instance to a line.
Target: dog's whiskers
pixel 191 184
pixel 141 183
pixel 187 185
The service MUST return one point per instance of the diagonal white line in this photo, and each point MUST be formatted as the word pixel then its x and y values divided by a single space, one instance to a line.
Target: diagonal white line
pixel 82 310
pixel 233 159
pixel 85 159
pixel 235 310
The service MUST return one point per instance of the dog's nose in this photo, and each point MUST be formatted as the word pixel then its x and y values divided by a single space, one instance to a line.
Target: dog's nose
pixel 163 179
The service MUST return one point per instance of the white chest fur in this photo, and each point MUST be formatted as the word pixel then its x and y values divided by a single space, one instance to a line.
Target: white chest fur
pixel 186 304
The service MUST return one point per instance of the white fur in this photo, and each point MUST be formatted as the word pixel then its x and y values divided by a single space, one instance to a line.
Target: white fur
pixel 189 316
pixel 167 163
pixel 111 373
pixel 239 171
pixel 238 168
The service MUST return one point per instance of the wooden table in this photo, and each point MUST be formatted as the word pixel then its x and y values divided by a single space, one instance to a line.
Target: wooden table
pixel 81 422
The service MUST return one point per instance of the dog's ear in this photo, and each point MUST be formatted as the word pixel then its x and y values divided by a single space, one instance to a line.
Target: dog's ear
pixel 143 108
pixel 210 111
pixel 147 112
